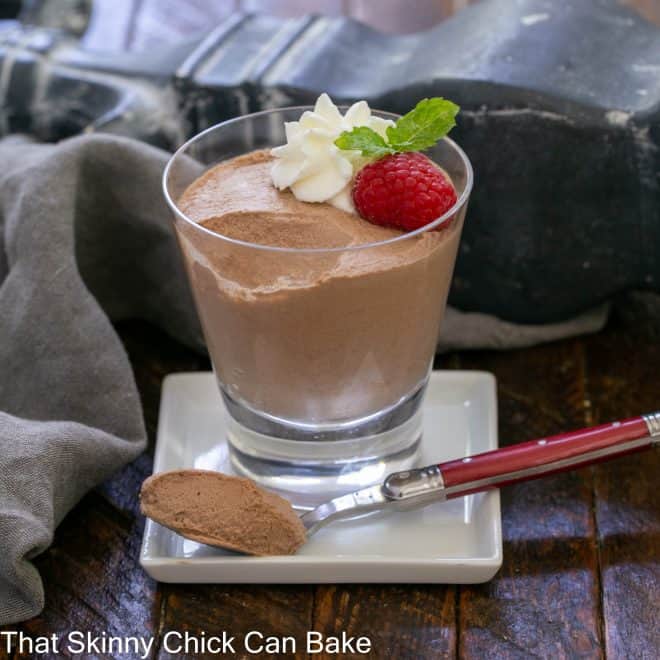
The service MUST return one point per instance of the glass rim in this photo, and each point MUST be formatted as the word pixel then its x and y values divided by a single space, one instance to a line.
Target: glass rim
pixel 460 202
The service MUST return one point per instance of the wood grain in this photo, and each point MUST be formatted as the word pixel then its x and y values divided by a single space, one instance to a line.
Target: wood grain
pixel 624 372
pixel 236 610
pixel 3 654
pixel 402 621
pixel 544 602
pixel 580 575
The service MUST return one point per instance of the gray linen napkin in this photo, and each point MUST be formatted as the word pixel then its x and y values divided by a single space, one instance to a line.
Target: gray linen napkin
pixel 81 223
pixel 85 237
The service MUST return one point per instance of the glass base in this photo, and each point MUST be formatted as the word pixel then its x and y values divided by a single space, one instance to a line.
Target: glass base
pixel 310 465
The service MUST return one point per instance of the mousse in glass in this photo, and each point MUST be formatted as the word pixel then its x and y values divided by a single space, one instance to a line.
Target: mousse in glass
pixel 320 247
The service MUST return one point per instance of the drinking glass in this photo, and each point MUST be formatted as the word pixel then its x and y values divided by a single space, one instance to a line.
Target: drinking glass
pixel 321 355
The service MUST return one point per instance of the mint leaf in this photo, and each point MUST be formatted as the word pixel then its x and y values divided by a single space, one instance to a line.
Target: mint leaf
pixel 422 127
pixel 366 140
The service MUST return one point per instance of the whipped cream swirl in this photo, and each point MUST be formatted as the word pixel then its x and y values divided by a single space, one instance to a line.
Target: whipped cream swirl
pixel 311 164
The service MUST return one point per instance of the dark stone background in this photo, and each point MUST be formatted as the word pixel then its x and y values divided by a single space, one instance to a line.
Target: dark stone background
pixel 560 116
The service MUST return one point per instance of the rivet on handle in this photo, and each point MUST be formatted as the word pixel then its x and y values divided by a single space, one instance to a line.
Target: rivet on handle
pixel 411 483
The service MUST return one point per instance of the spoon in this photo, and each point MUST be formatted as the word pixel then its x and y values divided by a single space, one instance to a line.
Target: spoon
pixel 493 469
pixel 233 513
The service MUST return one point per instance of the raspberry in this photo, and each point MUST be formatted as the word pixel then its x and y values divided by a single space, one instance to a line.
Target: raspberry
pixel 405 190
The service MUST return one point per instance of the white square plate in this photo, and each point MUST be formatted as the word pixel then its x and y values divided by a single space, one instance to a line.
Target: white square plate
pixel 450 542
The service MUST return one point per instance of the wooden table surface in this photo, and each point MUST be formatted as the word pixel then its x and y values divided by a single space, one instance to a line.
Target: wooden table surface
pixel 580 579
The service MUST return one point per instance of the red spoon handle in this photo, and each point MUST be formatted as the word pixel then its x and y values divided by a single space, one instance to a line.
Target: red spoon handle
pixel 537 458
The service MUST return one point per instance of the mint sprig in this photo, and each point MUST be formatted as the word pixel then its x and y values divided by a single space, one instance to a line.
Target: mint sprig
pixel 429 121
pixel 366 140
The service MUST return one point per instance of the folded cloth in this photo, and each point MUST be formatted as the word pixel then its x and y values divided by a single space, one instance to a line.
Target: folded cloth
pixel 86 238
pixel 84 235
pixel 466 330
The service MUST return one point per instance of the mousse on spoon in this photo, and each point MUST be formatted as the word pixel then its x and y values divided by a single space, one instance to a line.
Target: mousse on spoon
pixel 223 511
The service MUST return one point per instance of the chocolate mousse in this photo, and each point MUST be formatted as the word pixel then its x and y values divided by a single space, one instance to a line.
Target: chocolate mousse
pixel 224 511
pixel 319 336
